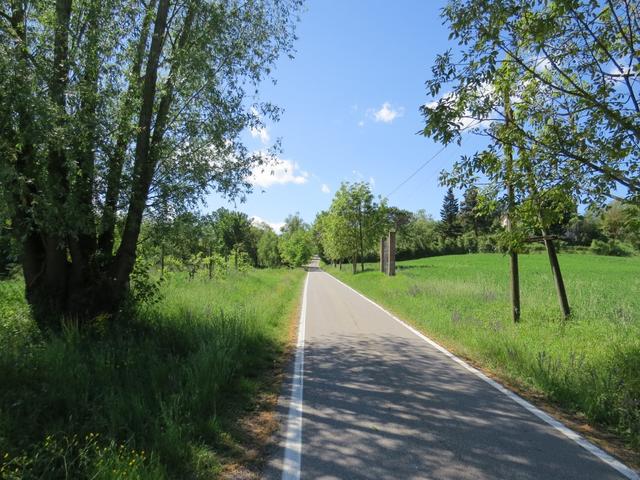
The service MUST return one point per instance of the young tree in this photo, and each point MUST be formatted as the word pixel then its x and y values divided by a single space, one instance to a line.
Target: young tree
pixel 234 231
pixel 449 222
pixel 337 244
pixel 358 221
pixel 572 71
pixel 296 247
pixel 110 108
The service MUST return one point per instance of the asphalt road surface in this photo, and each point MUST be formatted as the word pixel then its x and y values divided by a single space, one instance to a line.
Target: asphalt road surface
pixel 380 402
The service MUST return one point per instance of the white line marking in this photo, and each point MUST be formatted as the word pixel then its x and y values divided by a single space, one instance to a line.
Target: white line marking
pixel 577 438
pixel 293 445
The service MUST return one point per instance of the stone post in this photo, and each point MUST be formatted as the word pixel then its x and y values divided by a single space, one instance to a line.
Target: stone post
pixel 391 254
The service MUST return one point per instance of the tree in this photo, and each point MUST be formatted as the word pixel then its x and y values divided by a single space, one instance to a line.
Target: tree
pixel 583 229
pixel 111 108
pixel 357 221
pixel 268 253
pixel 419 237
pixel 449 221
pixel 337 243
pixel 234 230
pixel 296 247
pixel 295 243
pixel 614 221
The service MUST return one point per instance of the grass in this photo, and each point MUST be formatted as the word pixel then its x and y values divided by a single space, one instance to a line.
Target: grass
pixel 154 399
pixel 590 364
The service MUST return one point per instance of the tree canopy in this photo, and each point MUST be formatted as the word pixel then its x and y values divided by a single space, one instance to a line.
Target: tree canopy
pixel 110 110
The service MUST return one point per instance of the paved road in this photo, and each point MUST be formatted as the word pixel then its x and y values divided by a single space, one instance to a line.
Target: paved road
pixel 379 402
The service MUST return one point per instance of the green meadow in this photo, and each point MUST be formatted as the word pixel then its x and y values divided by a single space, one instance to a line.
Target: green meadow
pixel 589 364
pixel 153 397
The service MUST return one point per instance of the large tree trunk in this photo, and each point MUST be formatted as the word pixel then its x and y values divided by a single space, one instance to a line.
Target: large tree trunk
pixel 125 130
pixel 63 276
pixel 143 164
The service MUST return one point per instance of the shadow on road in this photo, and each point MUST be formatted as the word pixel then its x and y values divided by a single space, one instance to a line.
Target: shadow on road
pixel 371 412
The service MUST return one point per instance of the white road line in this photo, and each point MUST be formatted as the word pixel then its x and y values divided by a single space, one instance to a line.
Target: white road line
pixel 577 438
pixel 293 445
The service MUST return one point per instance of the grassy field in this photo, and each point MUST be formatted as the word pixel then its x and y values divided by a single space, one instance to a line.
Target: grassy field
pixel 589 364
pixel 155 399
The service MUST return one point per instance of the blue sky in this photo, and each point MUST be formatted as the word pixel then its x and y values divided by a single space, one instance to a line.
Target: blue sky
pixel 350 98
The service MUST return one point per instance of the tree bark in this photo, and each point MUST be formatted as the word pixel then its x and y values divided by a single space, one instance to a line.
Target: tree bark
pixel 143 167
pixel 513 254
pixel 116 163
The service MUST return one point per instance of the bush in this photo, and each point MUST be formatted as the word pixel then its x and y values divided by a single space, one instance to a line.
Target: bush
pixel 487 244
pixel 612 248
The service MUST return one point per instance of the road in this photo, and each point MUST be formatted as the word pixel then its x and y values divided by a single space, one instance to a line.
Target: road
pixel 373 400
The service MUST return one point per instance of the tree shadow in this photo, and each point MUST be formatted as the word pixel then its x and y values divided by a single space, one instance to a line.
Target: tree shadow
pixel 392 407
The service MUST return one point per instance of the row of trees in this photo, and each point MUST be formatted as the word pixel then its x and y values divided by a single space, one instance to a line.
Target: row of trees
pixel 477 224
pixel 350 230
pixel 352 226
pixel 216 242
pixel 222 240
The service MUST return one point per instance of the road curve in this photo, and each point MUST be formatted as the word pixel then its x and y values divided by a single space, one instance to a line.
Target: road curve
pixel 379 402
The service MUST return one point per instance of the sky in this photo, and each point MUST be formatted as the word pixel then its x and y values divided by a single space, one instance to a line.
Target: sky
pixel 351 99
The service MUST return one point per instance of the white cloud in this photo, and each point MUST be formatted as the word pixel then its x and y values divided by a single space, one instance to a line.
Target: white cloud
pixel 361 123
pixel 372 181
pixel 276 226
pixel 325 188
pixel 387 113
pixel 262 133
pixel 279 172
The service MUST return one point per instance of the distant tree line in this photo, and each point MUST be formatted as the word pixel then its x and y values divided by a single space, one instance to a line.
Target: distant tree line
pixel 476 224
pixel 215 243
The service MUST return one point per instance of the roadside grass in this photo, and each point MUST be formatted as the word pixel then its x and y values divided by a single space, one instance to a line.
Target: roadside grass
pixel 589 364
pixel 156 397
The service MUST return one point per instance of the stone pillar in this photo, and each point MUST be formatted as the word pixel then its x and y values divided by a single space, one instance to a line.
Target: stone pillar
pixel 383 255
pixel 391 254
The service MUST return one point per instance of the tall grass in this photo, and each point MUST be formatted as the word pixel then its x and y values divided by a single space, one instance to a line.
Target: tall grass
pixel 149 398
pixel 589 364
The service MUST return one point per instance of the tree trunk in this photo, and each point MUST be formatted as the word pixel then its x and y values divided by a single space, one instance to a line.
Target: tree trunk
pixel 125 130
pixel 143 164
pixel 210 263
pixel 355 263
pixel 515 286
pixel 162 260
pixel 513 255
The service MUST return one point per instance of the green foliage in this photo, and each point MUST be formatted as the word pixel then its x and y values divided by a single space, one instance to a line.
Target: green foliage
pixel 564 73
pixel 449 222
pixel 112 112
pixel 354 223
pixel 268 253
pixel 588 364
pixel 155 400
pixel 612 247
pixel 296 243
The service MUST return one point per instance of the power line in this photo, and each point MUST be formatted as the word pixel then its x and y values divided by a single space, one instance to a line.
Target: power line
pixel 418 170
pixel 444 147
